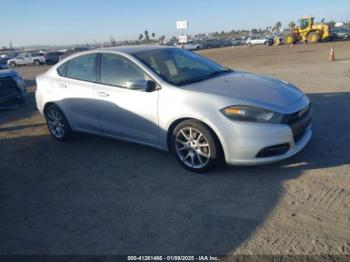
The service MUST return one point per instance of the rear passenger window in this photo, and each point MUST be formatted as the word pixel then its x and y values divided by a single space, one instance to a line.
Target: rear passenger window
pixel 62 69
pixel 82 68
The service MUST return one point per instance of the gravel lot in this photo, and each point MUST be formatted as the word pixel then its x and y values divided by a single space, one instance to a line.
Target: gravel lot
pixel 99 196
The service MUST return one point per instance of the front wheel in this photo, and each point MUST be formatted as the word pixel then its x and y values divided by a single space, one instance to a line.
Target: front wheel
pixel 36 62
pixel 12 64
pixel 313 38
pixel 57 123
pixel 194 146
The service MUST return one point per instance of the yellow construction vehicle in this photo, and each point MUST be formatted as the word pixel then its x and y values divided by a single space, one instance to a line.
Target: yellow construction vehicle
pixel 308 32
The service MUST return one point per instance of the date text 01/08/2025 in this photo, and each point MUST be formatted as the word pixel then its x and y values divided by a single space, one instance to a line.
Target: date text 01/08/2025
pixel 172 258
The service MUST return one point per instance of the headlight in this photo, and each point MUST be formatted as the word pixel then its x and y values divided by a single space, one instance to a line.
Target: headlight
pixel 252 114
pixel 20 82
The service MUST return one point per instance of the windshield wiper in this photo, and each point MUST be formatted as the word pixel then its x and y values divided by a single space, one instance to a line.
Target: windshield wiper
pixel 217 73
pixel 211 75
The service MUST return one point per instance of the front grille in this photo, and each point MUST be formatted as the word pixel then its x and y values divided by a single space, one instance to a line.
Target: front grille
pixel 299 122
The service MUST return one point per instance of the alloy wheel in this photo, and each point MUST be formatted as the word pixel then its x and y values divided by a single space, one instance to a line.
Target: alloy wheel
pixel 192 147
pixel 55 122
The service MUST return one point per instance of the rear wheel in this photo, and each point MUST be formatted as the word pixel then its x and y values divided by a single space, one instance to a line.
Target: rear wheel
pixel 194 146
pixel 313 38
pixel 36 62
pixel 57 123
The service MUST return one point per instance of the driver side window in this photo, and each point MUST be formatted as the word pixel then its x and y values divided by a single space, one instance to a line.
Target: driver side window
pixel 116 70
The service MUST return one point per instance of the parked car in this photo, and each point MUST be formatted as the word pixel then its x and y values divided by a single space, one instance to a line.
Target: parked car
pixel 27 59
pixel 12 88
pixel 178 101
pixel 72 51
pixel 236 42
pixel 340 33
pixel 209 43
pixel 5 57
pixel 52 57
pixel 225 42
pixel 258 40
pixel 191 45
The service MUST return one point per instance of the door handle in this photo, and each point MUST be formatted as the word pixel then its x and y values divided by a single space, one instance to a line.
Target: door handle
pixel 62 85
pixel 103 94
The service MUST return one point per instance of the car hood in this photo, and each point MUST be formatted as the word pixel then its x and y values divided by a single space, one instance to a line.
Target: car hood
pixel 7 73
pixel 250 87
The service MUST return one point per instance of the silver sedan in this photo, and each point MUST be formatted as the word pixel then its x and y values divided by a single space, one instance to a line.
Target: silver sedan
pixel 177 101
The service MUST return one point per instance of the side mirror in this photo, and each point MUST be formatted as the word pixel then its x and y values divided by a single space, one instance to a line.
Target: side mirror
pixel 145 85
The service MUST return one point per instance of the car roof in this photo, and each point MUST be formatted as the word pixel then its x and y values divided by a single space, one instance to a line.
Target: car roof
pixel 133 48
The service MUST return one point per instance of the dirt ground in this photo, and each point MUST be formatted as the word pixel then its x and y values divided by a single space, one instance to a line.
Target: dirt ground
pixel 99 196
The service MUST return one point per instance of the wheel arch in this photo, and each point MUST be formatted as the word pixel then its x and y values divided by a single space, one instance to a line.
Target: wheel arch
pixel 214 131
pixel 313 31
pixel 48 104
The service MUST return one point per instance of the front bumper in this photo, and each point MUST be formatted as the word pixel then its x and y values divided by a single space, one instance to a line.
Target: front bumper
pixel 257 143
pixel 249 156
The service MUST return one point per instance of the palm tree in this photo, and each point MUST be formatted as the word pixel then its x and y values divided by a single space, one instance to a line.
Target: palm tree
pixel 278 26
pixel 140 37
pixel 146 36
pixel 153 35
pixel 291 25
pixel 112 42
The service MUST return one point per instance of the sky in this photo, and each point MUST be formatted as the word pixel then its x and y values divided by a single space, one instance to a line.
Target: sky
pixel 66 22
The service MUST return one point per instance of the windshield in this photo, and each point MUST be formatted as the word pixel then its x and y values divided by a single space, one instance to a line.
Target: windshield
pixel 179 66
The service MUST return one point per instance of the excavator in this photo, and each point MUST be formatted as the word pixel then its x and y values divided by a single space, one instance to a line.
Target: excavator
pixel 308 32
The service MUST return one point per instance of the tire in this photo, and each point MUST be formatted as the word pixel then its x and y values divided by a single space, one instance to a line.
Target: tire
pixel 345 37
pixel 195 146
pixel 57 123
pixel 12 64
pixel 250 45
pixel 313 38
pixel 37 62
